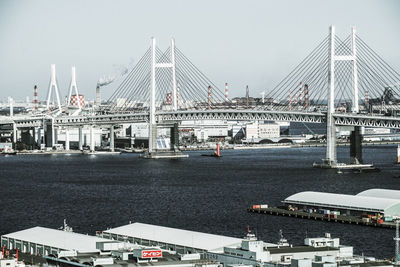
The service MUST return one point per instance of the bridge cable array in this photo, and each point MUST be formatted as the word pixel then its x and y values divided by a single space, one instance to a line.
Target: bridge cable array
pixel 194 89
pixel 306 87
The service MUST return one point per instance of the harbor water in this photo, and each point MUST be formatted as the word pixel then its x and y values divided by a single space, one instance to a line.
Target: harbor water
pixel 94 192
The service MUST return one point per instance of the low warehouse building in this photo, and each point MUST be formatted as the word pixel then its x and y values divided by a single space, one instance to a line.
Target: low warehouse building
pixel 46 241
pixel 182 241
pixel 348 204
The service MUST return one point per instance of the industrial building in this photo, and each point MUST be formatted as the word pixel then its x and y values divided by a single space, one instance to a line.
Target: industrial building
pixel 46 241
pixel 256 132
pixel 138 244
pixel 252 252
pixel 376 201
pixel 182 241
pixel 65 248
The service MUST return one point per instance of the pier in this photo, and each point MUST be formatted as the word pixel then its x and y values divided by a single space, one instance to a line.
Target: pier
pixel 276 211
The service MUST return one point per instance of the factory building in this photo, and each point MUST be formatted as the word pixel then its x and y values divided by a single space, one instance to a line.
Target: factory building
pixel 268 130
pixel 256 132
pixel 252 131
pixel 204 130
pixel 368 202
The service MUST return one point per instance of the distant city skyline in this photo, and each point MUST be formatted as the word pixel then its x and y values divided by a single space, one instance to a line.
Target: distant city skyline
pixel 255 43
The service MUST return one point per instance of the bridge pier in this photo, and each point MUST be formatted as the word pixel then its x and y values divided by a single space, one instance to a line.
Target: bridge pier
pixel 172 153
pixel 14 135
pixel 174 139
pixel 67 139
pixel 39 137
pixel 330 159
pixel 153 138
pixel 80 142
pixel 49 135
pixel 92 147
pixel 55 135
pixel 356 146
pixel 112 138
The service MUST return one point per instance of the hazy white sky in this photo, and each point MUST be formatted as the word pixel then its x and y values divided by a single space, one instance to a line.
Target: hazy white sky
pixel 240 42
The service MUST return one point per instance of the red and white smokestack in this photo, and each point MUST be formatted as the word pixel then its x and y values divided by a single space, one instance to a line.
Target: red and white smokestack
pixel 226 92
pixel 289 99
pixel 300 96
pixel 306 98
pixel 209 96
pixel 366 98
pixel 35 98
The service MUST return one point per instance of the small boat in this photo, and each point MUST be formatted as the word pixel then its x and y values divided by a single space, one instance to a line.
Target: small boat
pixel 8 153
pixel 216 154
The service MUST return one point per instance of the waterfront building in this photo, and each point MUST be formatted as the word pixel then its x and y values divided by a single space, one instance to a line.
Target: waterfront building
pixel 372 202
pixel 138 244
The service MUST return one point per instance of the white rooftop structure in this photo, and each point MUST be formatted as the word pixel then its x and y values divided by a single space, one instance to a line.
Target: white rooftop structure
pixel 185 238
pixel 62 240
pixel 387 206
pixel 382 193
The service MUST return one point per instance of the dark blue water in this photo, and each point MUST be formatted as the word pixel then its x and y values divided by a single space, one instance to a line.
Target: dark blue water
pixel 197 193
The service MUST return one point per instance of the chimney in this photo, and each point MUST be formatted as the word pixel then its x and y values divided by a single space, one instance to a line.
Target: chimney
pixel 35 98
pixel 226 92
pixel 300 96
pixel 209 96
pixel 98 95
pixel 247 95
pixel 10 102
pixel 306 98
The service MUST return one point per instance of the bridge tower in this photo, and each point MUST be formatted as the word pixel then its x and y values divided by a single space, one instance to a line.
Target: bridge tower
pixel 75 87
pixel 153 87
pixel 331 158
pixel 53 85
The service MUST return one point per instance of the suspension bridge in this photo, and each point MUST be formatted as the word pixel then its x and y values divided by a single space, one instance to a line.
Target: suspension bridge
pixel 342 82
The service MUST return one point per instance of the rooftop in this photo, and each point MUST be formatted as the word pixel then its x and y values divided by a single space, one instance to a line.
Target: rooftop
pixel 57 239
pixel 298 249
pixel 381 193
pixel 342 201
pixel 204 241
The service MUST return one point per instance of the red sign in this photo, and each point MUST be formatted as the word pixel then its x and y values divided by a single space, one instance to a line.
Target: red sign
pixel 151 254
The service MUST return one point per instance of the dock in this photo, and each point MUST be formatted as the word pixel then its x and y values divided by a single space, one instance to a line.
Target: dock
pixel 164 155
pixel 276 211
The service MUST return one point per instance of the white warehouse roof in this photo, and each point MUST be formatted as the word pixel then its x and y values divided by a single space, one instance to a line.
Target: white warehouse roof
pixel 57 239
pixel 175 236
pixel 390 207
pixel 382 193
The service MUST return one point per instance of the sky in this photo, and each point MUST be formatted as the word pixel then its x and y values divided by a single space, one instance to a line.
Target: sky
pixel 255 43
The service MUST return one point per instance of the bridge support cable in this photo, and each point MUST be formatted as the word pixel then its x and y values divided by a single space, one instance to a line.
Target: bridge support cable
pixel 132 82
pixel 284 95
pixel 184 86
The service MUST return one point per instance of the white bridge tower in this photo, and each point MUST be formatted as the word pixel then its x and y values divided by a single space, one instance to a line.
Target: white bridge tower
pixel 331 158
pixel 75 87
pixel 53 84
pixel 153 85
